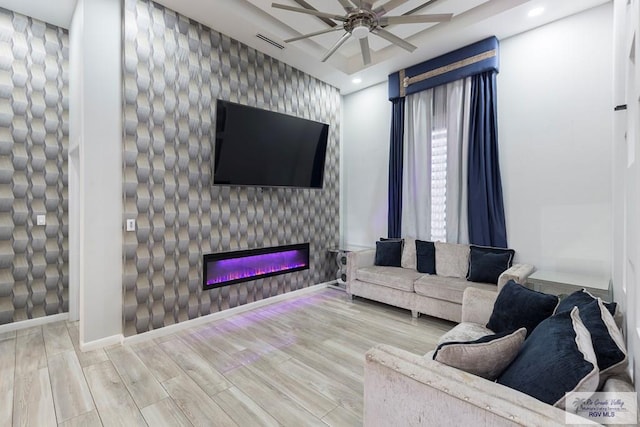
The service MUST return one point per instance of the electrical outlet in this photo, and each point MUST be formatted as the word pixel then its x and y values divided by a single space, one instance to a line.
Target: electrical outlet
pixel 41 220
pixel 131 225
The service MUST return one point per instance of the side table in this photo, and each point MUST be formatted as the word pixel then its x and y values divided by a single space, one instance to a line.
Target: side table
pixel 340 253
pixel 554 282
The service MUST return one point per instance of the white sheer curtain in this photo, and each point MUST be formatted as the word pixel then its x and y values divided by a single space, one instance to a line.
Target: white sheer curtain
pixel 430 117
pixel 416 166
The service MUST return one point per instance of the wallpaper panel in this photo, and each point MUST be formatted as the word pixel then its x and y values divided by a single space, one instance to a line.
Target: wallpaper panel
pixel 174 69
pixel 34 133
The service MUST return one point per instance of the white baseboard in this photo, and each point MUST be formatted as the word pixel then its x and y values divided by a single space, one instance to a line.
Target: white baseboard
pixel 171 329
pixel 30 323
pixel 101 343
pixel 167 330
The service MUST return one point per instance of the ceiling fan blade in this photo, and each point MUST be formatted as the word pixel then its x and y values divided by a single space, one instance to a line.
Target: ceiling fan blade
pixel 388 6
pixel 366 52
pixel 335 47
pixel 361 4
pixel 346 4
pixel 303 4
pixel 309 11
pixel 394 39
pixel 317 33
pixel 414 19
pixel 418 8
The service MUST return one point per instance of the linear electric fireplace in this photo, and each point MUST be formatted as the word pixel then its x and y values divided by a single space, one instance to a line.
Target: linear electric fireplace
pixel 227 268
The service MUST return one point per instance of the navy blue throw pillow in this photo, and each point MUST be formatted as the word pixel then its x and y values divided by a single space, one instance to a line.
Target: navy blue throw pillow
pixel 608 342
pixel 478 250
pixel 554 360
pixel 426 257
pixel 389 253
pixel 486 263
pixel 486 267
pixel 581 298
pixel 519 307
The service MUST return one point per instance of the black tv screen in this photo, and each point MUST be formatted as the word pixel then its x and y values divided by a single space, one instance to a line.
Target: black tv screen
pixel 256 147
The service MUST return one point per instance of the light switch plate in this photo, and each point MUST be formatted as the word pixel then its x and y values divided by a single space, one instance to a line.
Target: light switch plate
pixel 41 220
pixel 131 225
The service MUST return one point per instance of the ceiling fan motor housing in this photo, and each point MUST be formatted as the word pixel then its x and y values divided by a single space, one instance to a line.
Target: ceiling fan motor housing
pixel 360 23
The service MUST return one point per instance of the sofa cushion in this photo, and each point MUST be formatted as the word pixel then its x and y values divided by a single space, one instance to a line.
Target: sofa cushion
pixel 446 288
pixel 557 358
pixel 452 259
pixel 608 342
pixel 425 257
pixel 409 253
pixel 388 253
pixel 392 277
pixel 486 357
pixel 465 331
pixel 517 307
pixel 486 264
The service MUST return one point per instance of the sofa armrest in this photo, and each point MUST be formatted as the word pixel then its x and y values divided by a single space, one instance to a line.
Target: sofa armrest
pixel 356 260
pixel 477 305
pixel 402 388
pixel 517 273
pixel 618 384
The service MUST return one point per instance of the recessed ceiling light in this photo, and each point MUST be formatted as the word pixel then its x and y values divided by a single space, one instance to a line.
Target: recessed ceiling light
pixel 356 81
pixel 536 12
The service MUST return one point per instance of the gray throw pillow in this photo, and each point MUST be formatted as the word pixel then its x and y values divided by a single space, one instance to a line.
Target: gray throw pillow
pixel 452 259
pixel 409 253
pixel 486 357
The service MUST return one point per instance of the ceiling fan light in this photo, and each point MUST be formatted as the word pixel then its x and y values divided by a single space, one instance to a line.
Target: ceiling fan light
pixel 360 32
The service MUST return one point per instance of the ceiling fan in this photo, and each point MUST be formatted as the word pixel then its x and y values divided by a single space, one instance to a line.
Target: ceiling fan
pixel 360 19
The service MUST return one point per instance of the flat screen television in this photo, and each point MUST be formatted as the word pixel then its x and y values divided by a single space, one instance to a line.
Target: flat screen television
pixel 255 147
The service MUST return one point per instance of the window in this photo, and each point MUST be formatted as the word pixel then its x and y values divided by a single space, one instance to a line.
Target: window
pixel 439 185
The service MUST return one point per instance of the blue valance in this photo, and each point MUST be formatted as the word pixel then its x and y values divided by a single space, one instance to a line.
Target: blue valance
pixel 470 60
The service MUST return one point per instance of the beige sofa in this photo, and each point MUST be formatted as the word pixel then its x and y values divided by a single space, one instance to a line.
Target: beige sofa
pixel 405 287
pixel 402 388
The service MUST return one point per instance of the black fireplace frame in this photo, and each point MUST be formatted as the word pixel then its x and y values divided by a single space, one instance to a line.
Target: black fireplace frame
pixel 218 256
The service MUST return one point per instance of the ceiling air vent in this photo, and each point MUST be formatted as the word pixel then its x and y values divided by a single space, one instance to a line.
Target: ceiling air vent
pixel 268 40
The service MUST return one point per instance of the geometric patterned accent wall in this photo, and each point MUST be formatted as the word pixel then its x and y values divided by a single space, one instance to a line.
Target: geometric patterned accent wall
pixel 174 69
pixel 34 127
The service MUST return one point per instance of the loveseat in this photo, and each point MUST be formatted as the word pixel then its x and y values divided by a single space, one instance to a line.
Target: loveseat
pixel 402 388
pixel 439 294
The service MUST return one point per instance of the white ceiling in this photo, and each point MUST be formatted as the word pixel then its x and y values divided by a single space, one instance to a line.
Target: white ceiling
pixel 473 20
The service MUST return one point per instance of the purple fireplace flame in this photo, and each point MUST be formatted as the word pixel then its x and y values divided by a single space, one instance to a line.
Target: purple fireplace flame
pixel 226 268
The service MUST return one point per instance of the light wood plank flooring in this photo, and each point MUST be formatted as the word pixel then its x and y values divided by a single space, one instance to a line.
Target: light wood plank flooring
pixel 293 363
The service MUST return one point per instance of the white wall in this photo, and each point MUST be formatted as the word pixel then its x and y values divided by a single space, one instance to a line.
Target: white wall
pixel 555 103
pixel 96 128
pixel 365 165
pixel 626 173
pixel 554 107
pixel 75 132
